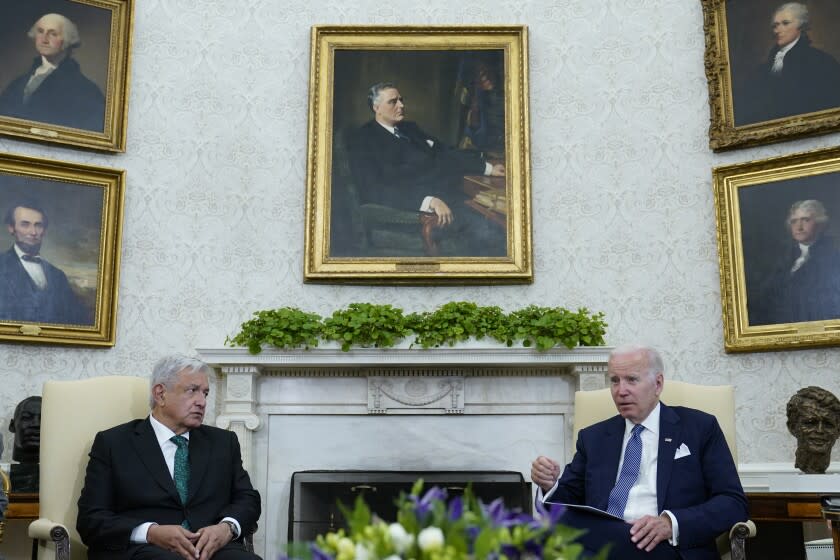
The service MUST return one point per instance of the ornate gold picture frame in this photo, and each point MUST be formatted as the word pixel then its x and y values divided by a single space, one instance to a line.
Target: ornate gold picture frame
pixel 59 273
pixel 65 72
pixel 418 165
pixel 772 70
pixel 778 226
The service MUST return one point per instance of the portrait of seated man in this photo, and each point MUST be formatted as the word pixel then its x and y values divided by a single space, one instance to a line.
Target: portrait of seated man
pixel 31 288
pixel 54 90
pixel 796 78
pixel 802 286
pixel 396 163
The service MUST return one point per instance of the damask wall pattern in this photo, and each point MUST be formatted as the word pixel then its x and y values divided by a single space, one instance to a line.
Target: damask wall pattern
pixel 622 197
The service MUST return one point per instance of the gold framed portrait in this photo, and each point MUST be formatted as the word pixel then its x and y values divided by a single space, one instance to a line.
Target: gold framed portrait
pixel 65 72
pixel 772 69
pixel 59 274
pixel 418 166
pixel 778 232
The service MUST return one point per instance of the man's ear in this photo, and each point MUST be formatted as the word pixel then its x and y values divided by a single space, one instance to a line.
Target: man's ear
pixel 10 229
pixel 12 425
pixel 157 392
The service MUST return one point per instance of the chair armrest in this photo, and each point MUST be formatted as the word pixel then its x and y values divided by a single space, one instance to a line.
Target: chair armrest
pixel 743 530
pixel 738 535
pixel 46 530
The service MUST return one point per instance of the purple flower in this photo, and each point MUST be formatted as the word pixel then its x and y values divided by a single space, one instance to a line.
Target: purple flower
pixel 456 508
pixel 424 504
pixel 552 514
pixel 318 554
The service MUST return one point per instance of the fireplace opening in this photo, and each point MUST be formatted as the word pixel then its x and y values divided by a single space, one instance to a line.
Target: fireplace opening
pixel 313 503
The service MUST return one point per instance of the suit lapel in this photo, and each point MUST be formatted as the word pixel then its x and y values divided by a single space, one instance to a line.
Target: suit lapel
pixel 147 448
pixel 670 437
pixel 199 459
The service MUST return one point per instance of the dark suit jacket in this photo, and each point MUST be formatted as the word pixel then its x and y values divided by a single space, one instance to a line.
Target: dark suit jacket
pixel 812 293
pixel 809 81
pixel 400 173
pixel 21 300
pixel 127 483
pixel 702 490
pixel 65 98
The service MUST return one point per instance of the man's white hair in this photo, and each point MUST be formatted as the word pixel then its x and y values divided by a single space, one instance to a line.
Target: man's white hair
pixel 813 207
pixel 69 31
pixel 654 360
pixel 799 11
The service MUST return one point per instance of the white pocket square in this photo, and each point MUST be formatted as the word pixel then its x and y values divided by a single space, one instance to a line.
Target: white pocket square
pixel 682 451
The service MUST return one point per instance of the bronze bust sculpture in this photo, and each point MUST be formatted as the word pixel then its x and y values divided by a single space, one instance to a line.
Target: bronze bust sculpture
pixel 26 425
pixel 813 417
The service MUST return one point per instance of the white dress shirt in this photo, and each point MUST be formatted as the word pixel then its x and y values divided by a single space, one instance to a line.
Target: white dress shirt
pixel 779 61
pixel 642 498
pixel 168 448
pixel 33 269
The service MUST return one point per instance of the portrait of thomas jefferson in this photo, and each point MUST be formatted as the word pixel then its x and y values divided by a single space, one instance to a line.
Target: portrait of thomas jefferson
pixel 42 78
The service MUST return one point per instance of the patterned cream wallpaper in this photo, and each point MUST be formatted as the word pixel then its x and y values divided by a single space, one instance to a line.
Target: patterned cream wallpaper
pixel 622 198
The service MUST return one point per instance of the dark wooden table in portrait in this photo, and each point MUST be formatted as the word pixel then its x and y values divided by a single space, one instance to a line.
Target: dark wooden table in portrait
pixel 491 190
pixel 780 515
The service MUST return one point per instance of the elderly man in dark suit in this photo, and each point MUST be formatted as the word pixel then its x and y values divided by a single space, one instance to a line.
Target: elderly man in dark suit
pixel 54 90
pixel 395 163
pixel 666 471
pixel 31 288
pixel 797 78
pixel 168 487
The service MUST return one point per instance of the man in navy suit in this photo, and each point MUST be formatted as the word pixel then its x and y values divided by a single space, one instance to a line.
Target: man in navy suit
pixel 684 488
pixel 31 288
pixel 151 495
pixel 395 163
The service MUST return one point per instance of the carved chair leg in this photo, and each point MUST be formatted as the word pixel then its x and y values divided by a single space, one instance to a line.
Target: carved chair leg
pixel 427 223
pixel 737 541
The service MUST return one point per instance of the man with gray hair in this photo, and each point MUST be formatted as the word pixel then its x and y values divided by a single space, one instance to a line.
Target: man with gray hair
pixel 168 487
pixel 797 77
pixel 664 474
pixel 804 284
pixel 54 90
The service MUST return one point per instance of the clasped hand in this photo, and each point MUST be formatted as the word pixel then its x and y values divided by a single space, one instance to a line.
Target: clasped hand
pixel 649 530
pixel 202 544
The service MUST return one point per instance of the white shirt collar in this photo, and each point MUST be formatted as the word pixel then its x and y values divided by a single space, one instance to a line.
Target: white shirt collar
pixel 20 252
pixel 789 46
pixel 650 423
pixel 386 127
pixel 163 433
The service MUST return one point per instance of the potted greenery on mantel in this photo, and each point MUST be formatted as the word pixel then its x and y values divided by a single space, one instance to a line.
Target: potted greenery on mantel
pixel 383 326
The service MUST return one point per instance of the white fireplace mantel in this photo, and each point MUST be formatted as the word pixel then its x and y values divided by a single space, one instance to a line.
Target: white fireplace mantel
pixel 469 407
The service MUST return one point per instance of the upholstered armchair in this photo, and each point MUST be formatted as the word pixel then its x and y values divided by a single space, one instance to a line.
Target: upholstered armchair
pixel 72 412
pixel 594 406
pixel 368 229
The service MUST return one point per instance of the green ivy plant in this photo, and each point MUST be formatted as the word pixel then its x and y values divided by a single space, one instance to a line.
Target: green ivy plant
pixel 547 327
pixel 455 322
pixel 366 324
pixel 382 326
pixel 287 327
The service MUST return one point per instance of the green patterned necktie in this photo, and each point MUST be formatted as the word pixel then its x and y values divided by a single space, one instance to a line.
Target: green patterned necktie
pixel 182 470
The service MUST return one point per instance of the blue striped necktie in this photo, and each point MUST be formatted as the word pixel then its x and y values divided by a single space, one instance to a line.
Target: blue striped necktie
pixel 181 471
pixel 629 473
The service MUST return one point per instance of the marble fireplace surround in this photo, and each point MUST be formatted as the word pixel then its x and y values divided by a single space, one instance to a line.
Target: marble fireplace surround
pixel 463 408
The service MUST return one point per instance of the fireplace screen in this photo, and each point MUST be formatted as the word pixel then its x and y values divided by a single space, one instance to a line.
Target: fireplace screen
pixel 313 504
